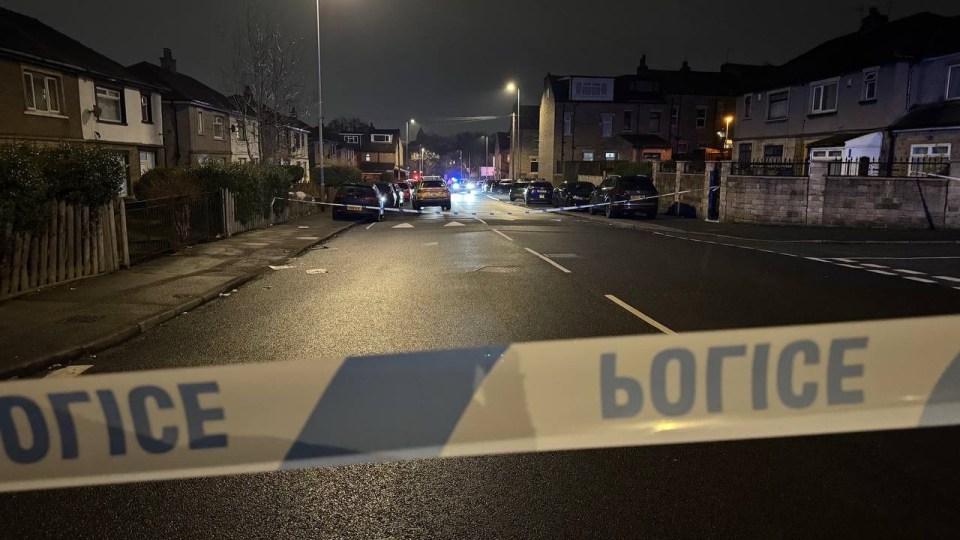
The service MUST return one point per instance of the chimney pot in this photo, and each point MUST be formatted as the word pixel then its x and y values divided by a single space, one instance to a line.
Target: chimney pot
pixel 167 61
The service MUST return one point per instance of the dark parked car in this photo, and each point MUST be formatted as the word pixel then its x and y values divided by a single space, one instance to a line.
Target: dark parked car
pixel 518 190
pixel 630 195
pixel 538 191
pixel 391 196
pixel 405 190
pixel 503 186
pixel 572 193
pixel 361 200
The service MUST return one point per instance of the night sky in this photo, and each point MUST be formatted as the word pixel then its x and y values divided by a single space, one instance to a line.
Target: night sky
pixel 388 60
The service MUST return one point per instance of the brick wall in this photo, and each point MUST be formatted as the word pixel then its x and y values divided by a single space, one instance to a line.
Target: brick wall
pixel 883 202
pixel 665 182
pixel 759 199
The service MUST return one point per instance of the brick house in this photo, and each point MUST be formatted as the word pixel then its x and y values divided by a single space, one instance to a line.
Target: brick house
pixel 886 93
pixel 524 146
pixel 376 150
pixel 648 115
pixel 55 89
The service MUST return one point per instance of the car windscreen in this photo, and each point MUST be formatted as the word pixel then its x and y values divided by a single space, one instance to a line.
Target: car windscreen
pixel 541 184
pixel 357 191
pixel 637 182
pixel 583 186
pixel 432 184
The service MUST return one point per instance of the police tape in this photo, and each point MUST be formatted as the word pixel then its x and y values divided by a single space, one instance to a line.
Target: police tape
pixel 527 397
pixel 401 210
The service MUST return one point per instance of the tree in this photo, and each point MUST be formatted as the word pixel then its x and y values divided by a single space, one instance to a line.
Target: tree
pixel 346 125
pixel 267 82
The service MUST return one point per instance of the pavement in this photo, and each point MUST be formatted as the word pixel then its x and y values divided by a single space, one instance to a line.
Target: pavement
pixel 430 282
pixel 59 324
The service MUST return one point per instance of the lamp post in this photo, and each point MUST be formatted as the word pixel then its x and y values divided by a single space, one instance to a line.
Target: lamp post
pixel 728 119
pixel 422 150
pixel 515 140
pixel 406 152
pixel 323 185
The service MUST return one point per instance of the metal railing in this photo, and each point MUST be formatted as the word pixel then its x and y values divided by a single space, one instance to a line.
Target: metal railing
pixel 668 166
pixel 770 168
pixel 158 226
pixel 694 167
pixel 911 168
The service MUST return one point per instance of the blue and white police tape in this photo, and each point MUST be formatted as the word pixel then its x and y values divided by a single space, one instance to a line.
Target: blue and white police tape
pixel 554 395
pixel 359 208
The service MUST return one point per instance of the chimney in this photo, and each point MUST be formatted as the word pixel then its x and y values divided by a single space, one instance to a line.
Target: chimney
pixel 642 67
pixel 167 61
pixel 873 19
pixel 685 66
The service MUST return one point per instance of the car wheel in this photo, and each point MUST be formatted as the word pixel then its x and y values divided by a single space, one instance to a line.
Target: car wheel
pixel 568 202
pixel 611 213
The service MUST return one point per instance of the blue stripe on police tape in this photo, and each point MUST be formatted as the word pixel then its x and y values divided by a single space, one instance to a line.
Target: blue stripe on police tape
pixel 943 405
pixel 393 402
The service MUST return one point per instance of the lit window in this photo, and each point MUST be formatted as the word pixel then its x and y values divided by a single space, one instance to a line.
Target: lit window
pixel 366 157
pixel 41 92
pixel 588 156
pixel 380 138
pixel 777 105
pixel 110 103
pixel 869 85
pixel 823 97
pixel 610 156
pixel 217 127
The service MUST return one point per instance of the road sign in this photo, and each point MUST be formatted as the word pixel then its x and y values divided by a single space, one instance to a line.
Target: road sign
pixel 487 171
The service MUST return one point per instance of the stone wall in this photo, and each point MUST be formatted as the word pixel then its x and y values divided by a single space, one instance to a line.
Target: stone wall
pixel 884 202
pixel 694 203
pixel 762 199
pixel 666 183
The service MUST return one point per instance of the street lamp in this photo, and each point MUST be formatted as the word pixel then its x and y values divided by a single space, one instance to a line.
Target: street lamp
pixel 406 157
pixel 728 119
pixel 515 142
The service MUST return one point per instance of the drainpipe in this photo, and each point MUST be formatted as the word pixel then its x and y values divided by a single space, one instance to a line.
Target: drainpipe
pixel 176 135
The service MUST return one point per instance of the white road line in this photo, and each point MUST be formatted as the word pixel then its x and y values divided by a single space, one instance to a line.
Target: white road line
pixel 69 371
pixel 845 260
pixel 816 259
pixel 562 269
pixel 855 267
pixel 402 226
pixel 789 254
pixel 492 198
pixel 310 238
pixel 481 221
pixel 501 234
pixel 920 279
pixel 371 225
pixel 875 266
pixel 882 272
pixel 634 311
pixel 911 272
pixel 948 278
pixel 900 258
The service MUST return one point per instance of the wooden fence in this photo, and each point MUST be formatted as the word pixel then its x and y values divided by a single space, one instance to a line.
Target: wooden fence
pixel 72 242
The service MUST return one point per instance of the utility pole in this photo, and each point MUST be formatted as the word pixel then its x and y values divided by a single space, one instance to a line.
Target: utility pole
pixel 323 185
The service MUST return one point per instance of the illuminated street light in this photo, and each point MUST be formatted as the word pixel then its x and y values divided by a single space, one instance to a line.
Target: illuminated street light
pixel 515 140
pixel 406 153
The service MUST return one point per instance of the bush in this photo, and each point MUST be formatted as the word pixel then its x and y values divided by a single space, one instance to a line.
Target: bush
pixel 337 175
pixel 295 172
pixel 387 176
pixel 253 187
pixel 644 168
pixel 162 182
pixel 33 176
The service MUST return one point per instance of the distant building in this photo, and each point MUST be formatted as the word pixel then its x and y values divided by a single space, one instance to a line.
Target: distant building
pixel 888 92
pixel 377 150
pixel 501 154
pixel 335 152
pixel 53 89
pixel 648 115
pixel 524 147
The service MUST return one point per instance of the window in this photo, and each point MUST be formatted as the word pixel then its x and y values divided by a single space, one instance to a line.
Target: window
pixel 745 153
pixel 588 156
pixel 823 97
pixel 920 154
pixel 217 127
pixel 777 104
pixel 366 157
pixel 701 117
pixel 610 156
pixel 534 165
pixel 747 106
pixel 674 115
pixel 683 147
pixel 110 103
pixel 606 124
pixel 241 131
pixel 654 125
pixel 146 109
pixel 199 122
pixel 953 82
pixel 41 92
pixel 568 124
pixel 241 160
pixel 773 152
pixel 869 85
pixel 148 160
pixel 651 156
pixel 627 120
pixel 351 139
pixel 590 89
pixel 380 138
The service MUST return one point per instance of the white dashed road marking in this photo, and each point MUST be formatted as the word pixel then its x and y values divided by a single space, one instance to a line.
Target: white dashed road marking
pixel 637 313
pixel 875 266
pixel 501 234
pixel 920 279
pixel 911 272
pixel 402 226
pixel 370 226
pixel 948 278
pixel 69 371
pixel 454 224
pixel 881 272
pixel 561 268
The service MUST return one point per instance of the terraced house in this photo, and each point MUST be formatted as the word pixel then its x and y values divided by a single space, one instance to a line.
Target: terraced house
pixel 883 96
pixel 55 89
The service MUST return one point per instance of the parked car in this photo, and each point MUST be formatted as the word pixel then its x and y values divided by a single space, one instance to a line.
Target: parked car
pixel 538 191
pixel 572 193
pixel 405 190
pixel 518 190
pixel 432 193
pixel 361 200
pixel 503 186
pixel 631 195
pixel 391 197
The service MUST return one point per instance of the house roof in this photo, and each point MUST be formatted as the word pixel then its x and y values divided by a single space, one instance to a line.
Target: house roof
pixel 250 106
pixel 683 81
pixel 646 141
pixel 182 87
pixel 839 139
pixel 922 35
pixel 943 114
pixel 28 39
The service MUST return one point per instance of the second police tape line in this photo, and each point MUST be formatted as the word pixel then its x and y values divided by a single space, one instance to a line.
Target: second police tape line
pixel 476 213
pixel 526 397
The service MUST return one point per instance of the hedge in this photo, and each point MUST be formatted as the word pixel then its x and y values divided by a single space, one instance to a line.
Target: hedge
pixel 32 176
pixel 337 175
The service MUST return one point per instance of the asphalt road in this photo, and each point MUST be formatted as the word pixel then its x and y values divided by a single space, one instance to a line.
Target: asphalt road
pixel 435 284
